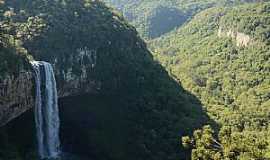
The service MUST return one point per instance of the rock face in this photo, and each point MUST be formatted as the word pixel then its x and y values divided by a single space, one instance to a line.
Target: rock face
pixel 16 96
pixel 75 80
pixel 17 91
pixel 242 39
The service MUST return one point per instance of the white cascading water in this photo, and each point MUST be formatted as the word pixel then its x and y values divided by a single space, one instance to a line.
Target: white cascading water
pixel 46 111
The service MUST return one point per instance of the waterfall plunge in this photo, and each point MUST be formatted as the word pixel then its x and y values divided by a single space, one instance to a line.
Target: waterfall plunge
pixel 46 111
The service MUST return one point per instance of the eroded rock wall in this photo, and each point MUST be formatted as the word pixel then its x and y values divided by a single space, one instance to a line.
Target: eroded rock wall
pixel 17 92
pixel 242 39
pixel 16 96
pixel 76 78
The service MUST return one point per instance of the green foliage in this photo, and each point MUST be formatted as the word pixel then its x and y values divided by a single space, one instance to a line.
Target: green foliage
pixel 232 145
pixel 231 81
pixel 13 56
pixel 11 62
pixel 204 145
pixel 153 18
pixel 151 107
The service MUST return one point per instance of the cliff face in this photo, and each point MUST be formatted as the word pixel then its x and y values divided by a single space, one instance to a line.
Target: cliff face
pixel 16 81
pixel 73 60
pixel 88 57
pixel 74 81
pixel 92 52
pixel 17 90
pixel 16 96
pixel 242 39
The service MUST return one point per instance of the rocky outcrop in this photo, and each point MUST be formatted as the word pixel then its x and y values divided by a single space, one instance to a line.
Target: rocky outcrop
pixel 16 96
pixel 242 39
pixel 101 55
pixel 76 78
pixel 17 90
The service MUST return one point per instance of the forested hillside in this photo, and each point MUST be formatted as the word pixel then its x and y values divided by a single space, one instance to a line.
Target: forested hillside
pixel 201 93
pixel 131 107
pixel 13 58
pixel 223 57
pixel 153 18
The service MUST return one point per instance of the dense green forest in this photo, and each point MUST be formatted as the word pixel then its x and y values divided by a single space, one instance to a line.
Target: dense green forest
pixel 12 56
pixel 200 88
pixel 232 79
pixel 153 18
pixel 135 110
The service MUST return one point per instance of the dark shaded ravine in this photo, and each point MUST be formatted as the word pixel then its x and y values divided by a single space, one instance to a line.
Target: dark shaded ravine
pixel 95 125
pixel 100 126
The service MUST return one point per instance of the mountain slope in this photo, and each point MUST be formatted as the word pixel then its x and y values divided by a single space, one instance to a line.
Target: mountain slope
pixel 153 18
pixel 122 95
pixel 222 56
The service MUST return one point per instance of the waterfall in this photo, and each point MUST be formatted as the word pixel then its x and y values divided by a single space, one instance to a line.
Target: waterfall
pixel 46 111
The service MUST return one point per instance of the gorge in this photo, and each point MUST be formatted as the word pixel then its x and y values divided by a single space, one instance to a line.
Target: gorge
pixel 192 93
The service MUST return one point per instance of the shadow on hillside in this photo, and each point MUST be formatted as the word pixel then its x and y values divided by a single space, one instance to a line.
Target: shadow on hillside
pixel 138 111
pixel 18 139
pixel 142 120
pixel 165 20
pixel 120 125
